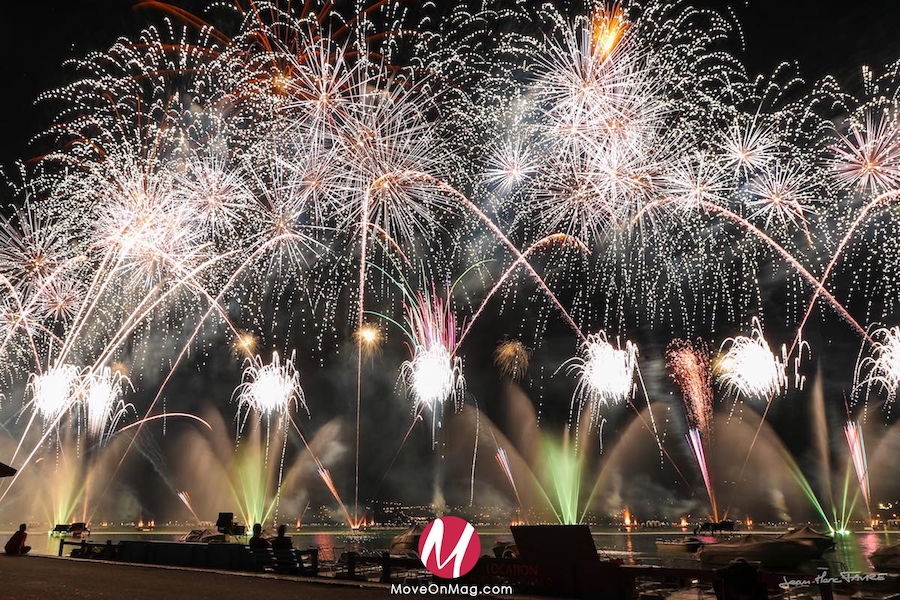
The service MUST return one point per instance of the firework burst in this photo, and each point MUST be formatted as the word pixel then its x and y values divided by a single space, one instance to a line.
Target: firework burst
pixel 102 392
pixel 54 392
pixel 370 338
pixel 433 376
pixel 749 368
pixel 605 375
pixel 270 390
pixel 250 172
pixel 882 368
pixel 868 157
pixel 511 359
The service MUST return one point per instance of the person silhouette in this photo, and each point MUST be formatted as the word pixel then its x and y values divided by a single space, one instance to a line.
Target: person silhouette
pixel 282 542
pixel 16 544
pixel 257 541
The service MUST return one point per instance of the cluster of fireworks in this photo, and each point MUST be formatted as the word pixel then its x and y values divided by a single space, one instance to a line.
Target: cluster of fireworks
pixel 205 182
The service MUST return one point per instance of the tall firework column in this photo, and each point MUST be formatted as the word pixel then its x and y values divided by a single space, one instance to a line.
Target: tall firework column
pixel 749 369
pixel 268 394
pixel 854 434
pixel 433 376
pixel 689 365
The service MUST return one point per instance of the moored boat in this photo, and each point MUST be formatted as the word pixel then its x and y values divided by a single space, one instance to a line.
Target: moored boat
pixel 807 535
pixel 687 544
pixel 209 536
pixel 887 558
pixel 75 530
pixel 407 543
pixel 773 552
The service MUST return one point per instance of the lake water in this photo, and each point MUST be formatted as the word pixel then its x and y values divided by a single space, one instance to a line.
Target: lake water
pixel 851 553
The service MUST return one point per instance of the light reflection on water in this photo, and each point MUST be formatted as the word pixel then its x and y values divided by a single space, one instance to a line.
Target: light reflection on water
pixel 851 553
pixel 853 550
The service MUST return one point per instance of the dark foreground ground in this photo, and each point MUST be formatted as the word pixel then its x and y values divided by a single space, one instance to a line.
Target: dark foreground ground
pixel 38 577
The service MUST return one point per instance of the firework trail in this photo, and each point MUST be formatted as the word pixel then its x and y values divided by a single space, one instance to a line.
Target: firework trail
pixel 186 500
pixel 556 238
pixel 853 433
pixel 772 244
pixel 503 461
pixel 329 483
pixel 695 441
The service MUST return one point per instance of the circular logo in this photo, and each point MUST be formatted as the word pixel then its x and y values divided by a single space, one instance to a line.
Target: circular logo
pixel 449 547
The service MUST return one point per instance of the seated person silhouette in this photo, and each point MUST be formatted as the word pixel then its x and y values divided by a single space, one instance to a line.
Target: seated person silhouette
pixel 257 540
pixel 16 544
pixel 739 581
pixel 282 542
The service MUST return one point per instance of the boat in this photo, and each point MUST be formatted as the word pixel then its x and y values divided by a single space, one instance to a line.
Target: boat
pixel 74 530
pixel 773 552
pixel 821 542
pixel 407 543
pixel 688 544
pixel 887 558
pixel 207 536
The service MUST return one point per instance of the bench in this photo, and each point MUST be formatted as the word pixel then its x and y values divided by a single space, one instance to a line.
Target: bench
pixel 261 560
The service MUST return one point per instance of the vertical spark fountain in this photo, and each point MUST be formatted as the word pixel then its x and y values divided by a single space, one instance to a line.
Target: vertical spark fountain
pixel 689 365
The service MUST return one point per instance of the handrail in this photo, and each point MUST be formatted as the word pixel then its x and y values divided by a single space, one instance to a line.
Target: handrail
pixel 83 544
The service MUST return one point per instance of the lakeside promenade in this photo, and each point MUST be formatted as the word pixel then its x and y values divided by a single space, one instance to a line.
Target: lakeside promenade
pixel 41 578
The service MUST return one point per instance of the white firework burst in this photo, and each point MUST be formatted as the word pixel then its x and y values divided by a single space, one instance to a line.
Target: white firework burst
pixel 102 392
pixel 882 368
pixel 749 368
pixel 605 374
pixel 54 392
pixel 782 195
pixel 270 390
pixel 867 158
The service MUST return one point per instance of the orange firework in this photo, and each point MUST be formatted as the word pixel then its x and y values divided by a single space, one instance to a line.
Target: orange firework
pixel 369 337
pixel 608 27
pixel 511 359
pixel 244 344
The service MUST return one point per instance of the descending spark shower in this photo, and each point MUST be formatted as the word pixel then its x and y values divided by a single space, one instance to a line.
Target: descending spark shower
pixel 253 181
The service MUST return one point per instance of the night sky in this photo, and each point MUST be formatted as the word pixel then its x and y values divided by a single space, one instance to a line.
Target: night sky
pixel 823 36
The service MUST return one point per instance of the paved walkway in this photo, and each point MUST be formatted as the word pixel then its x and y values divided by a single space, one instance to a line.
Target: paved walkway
pixel 39 578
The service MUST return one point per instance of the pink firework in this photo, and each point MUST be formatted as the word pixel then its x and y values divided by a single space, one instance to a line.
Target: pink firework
pixel 689 365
